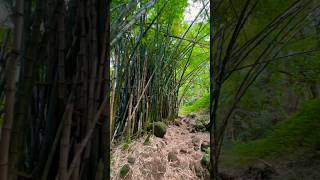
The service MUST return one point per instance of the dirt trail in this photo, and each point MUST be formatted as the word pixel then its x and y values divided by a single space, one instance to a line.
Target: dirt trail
pixel 177 156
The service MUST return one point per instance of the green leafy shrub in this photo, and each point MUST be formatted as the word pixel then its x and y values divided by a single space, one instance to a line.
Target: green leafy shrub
pixel 200 104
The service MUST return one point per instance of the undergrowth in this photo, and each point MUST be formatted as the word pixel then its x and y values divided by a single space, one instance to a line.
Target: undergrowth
pixel 301 131
pixel 200 104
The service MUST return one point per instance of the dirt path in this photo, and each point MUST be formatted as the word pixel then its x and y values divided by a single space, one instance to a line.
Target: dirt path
pixel 177 156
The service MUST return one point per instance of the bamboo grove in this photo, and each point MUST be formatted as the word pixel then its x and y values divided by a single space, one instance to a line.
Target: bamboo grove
pixel 149 65
pixel 56 91
pixel 235 52
pixel 76 74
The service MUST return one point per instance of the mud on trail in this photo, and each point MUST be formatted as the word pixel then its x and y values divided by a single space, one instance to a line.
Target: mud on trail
pixel 177 156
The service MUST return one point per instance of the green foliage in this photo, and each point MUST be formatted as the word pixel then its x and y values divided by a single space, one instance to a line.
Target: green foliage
pixel 1 120
pixel 205 161
pixel 259 127
pixel 2 34
pixel 174 10
pixel 200 104
pixel 299 131
pixel 124 170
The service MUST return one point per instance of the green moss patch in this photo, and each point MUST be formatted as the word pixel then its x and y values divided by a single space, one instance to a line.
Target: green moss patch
pixel 300 132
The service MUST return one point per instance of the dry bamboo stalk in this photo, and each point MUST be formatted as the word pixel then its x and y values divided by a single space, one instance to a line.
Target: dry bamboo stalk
pixel 51 154
pixel 129 123
pixel 87 137
pixel 140 97
pixel 84 68
pixel 113 94
pixel 99 173
pixel 61 50
pixel 10 90
pixel 64 145
pixel 65 142
pixel 76 171
pixel 94 60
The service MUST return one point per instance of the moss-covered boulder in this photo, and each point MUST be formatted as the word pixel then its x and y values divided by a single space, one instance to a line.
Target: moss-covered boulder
pixel 160 129
pixel 200 123
pixel 124 170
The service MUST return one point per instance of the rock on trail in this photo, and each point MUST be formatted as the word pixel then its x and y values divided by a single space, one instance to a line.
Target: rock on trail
pixel 176 156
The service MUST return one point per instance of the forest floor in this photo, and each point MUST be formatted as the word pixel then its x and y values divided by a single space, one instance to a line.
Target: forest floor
pixel 290 151
pixel 177 156
pixel 300 165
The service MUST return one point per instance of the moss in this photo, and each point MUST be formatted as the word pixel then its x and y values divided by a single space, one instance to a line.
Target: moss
pixel 301 131
pixel 200 123
pixel 205 147
pixel 205 161
pixel 131 159
pixel 124 170
pixel 149 127
pixel 126 144
pixel 1 114
pixel 1 121
pixel 160 129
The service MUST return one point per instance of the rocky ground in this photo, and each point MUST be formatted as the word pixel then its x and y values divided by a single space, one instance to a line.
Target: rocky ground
pixel 178 155
pixel 180 152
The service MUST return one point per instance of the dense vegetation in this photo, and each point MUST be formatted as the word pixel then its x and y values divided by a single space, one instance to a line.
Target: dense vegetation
pixel 80 77
pixel 161 61
pixel 299 132
pixel 65 93
pixel 264 63
pixel 54 90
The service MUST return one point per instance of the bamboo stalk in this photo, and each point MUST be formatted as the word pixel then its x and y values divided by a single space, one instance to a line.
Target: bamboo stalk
pixel 65 142
pixel 10 90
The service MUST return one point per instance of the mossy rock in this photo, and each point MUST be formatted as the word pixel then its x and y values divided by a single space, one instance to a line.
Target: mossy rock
pixel 205 161
pixel 199 127
pixel 124 170
pixel 160 129
pixel 191 115
pixel 205 146
pixel 131 159
pixel 172 157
